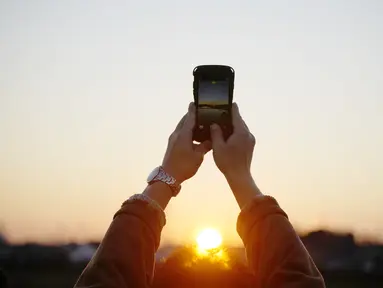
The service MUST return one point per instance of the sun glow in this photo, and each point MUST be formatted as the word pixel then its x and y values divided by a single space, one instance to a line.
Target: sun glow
pixel 209 249
pixel 209 239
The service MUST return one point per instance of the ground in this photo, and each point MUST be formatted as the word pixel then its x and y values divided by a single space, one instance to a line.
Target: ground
pixel 60 278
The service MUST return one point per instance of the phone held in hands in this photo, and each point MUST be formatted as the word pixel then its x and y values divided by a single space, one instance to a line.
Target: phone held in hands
pixel 213 88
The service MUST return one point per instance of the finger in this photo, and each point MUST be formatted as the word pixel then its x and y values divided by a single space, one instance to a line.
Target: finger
pixel 180 124
pixel 216 136
pixel 203 147
pixel 188 126
pixel 247 128
pixel 190 118
pixel 238 122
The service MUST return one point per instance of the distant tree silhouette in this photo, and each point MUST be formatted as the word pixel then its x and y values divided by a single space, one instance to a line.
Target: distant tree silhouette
pixel 3 239
pixel 325 246
pixel 185 268
pixel 3 280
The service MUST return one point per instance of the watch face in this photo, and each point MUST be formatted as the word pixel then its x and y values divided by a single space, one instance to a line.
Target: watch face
pixel 153 174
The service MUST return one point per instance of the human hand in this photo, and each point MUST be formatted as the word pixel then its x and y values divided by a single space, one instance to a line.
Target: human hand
pixel 183 157
pixel 234 156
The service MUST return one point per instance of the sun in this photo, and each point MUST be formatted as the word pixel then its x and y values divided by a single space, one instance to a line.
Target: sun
pixel 209 239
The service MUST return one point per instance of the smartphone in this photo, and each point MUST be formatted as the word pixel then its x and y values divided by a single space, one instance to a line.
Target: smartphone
pixel 213 88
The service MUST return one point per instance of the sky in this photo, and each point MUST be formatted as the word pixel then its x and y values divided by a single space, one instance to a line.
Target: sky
pixel 213 92
pixel 91 90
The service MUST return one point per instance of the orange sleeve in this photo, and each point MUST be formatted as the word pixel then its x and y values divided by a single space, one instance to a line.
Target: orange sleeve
pixel 275 253
pixel 125 257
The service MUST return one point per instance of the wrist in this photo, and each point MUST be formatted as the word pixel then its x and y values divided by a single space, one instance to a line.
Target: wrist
pixel 170 169
pixel 237 177
pixel 159 174
pixel 243 187
pixel 160 193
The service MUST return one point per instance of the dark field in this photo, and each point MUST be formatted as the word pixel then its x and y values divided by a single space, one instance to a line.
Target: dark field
pixel 36 278
pixel 343 262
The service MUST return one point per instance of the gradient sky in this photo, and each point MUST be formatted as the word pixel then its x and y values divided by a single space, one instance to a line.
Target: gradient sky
pixel 91 90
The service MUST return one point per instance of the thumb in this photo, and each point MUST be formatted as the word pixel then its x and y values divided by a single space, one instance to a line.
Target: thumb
pixel 202 147
pixel 216 135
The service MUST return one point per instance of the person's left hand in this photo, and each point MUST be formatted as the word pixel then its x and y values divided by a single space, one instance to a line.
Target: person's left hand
pixel 183 157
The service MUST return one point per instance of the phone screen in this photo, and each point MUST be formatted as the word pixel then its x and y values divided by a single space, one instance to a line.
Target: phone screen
pixel 213 102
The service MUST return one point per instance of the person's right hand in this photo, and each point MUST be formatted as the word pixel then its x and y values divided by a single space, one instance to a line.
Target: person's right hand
pixel 234 156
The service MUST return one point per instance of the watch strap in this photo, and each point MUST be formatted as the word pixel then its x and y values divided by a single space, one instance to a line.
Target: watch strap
pixel 163 176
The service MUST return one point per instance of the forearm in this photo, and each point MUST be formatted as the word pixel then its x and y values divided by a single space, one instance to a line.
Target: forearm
pixel 159 192
pixel 243 188
pixel 274 251
pixel 125 257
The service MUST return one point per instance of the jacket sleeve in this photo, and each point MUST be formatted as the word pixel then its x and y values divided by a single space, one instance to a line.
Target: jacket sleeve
pixel 274 251
pixel 125 257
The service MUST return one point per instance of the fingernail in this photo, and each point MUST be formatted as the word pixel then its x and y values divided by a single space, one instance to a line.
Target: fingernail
pixel 213 126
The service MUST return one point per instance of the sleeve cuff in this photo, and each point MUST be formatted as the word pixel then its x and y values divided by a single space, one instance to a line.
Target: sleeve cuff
pixel 148 211
pixel 257 210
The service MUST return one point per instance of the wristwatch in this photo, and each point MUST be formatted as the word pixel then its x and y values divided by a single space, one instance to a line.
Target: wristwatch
pixel 159 174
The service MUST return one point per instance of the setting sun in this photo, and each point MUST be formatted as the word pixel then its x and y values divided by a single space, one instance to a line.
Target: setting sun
pixel 209 239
